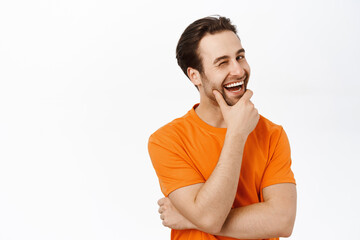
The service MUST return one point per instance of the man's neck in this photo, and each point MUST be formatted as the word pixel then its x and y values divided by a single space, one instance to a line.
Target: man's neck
pixel 211 114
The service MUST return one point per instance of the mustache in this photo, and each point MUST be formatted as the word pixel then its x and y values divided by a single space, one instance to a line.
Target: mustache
pixel 245 78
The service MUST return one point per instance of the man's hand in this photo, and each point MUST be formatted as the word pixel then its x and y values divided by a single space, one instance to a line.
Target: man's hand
pixel 240 118
pixel 171 217
pixel 208 204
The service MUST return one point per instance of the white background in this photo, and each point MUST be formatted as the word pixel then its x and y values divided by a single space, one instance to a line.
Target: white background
pixel 84 83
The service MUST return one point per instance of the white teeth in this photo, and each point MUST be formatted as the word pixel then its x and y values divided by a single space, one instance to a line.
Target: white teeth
pixel 234 84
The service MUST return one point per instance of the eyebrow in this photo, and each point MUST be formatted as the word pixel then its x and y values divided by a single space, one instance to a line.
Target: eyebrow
pixel 225 56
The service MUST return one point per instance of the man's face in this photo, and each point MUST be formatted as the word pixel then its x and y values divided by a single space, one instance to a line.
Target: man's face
pixel 224 67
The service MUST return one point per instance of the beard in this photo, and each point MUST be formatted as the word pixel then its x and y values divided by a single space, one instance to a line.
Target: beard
pixel 209 87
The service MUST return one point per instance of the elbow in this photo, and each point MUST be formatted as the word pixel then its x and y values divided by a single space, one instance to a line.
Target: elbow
pixel 285 233
pixel 211 225
pixel 286 226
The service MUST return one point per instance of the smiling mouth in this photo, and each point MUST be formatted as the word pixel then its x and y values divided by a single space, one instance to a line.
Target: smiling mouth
pixel 234 86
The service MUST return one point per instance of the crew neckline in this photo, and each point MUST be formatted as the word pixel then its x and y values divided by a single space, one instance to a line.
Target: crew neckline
pixel 203 124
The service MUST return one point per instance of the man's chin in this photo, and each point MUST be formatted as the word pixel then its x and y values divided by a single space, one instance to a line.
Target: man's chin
pixel 231 101
pixel 232 97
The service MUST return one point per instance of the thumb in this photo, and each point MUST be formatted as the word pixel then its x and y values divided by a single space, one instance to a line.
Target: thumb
pixel 220 100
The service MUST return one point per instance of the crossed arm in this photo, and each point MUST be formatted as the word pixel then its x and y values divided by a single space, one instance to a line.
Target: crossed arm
pixel 272 218
pixel 207 206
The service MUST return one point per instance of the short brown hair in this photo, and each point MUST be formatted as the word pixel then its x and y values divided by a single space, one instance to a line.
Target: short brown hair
pixel 187 48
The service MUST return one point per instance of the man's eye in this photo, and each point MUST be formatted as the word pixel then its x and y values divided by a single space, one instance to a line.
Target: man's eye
pixel 222 63
pixel 240 57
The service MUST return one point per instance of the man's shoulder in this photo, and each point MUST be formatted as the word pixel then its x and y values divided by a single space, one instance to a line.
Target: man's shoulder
pixel 266 127
pixel 171 130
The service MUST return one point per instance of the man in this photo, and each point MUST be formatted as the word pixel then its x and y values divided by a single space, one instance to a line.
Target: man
pixel 224 169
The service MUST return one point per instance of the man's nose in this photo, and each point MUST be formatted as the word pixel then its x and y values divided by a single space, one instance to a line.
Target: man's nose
pixel 236 68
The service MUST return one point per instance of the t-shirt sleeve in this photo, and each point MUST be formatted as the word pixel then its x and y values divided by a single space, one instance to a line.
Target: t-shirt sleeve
pixel 173 168
pixel 278 169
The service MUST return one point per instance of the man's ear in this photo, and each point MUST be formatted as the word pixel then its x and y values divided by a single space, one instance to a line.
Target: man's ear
pixel 194 76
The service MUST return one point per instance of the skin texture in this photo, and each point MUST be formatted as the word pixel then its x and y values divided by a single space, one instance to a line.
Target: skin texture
pixel 232 67
pixel 272 218
pixel 207 206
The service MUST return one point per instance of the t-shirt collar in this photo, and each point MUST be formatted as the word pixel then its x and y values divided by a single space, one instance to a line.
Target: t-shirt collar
pixel 203 124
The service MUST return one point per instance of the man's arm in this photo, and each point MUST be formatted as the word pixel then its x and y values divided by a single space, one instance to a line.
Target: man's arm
pixel 274 217
pixel 208 204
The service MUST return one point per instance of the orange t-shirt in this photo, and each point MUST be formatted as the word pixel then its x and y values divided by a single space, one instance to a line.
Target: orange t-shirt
pixel 186 151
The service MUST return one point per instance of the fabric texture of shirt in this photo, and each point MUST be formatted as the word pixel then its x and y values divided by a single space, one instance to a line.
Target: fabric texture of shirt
pixel 186 151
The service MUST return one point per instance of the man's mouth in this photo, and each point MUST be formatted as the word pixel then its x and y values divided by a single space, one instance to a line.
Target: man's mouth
pixel 234 86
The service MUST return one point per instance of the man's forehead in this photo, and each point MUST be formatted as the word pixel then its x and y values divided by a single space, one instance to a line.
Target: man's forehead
pixel 214 45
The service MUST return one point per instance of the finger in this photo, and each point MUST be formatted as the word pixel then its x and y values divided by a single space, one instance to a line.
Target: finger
pixel 251 104
pixel 220 99
pixel 258 115
pixel 247 95
pixel 161 201
pixel 161 210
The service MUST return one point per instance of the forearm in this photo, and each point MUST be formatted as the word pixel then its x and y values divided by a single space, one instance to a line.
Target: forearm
pixel 214 199
pixel 218 193
pixel 274 217
pixel 256 221
pixel 207 205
